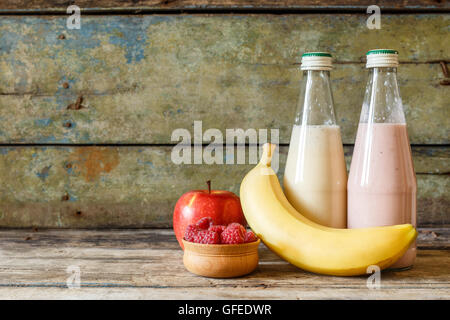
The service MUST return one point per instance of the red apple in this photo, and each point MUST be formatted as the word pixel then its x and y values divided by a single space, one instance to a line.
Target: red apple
pixel 223 207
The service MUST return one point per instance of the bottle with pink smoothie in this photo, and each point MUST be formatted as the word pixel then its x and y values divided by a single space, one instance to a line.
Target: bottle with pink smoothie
pixel 315 178
pixel 382 184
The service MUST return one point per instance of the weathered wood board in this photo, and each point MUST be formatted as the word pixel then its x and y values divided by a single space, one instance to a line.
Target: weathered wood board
pixel 144 76
pixel 84 187
pixel 133 264
pixel 139 5
pixel 150 115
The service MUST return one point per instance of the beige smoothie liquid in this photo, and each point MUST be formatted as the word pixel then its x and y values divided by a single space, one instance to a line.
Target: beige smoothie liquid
pixel 382 185
pixel 315 179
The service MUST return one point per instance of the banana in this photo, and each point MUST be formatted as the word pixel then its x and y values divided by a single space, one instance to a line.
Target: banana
pixel 308 245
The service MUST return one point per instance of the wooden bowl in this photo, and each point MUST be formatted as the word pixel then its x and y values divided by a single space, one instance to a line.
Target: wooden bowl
pixel 220 260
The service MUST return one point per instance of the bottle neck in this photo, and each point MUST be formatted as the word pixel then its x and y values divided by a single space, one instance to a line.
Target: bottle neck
pixel 315 105
pixel 382 101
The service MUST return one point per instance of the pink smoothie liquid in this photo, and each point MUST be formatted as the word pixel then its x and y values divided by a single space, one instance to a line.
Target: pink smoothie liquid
pixel 382 184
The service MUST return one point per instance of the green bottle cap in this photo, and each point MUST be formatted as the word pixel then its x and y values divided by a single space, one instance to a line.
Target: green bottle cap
pixel 317 61
pixel 382 58
pixel 381 51
pixel 316 54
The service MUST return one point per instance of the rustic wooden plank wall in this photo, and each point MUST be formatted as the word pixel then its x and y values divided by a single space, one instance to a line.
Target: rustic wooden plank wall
pixel 138 186
pixel 107 164
pixel 229 71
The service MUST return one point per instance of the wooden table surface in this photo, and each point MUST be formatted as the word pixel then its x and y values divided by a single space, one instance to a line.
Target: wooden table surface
pixel 147 264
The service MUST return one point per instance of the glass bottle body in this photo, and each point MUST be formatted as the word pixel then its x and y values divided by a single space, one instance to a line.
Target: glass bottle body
pixel 382 184
pixel 315 176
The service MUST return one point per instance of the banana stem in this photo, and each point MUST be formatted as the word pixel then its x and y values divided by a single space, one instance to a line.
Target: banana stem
pixel 266 158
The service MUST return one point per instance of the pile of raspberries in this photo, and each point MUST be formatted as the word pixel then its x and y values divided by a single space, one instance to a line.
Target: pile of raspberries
pixel 204 231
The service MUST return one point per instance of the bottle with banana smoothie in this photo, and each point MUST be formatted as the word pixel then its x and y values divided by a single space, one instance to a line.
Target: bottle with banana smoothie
pixel 382 183
pixel 315 178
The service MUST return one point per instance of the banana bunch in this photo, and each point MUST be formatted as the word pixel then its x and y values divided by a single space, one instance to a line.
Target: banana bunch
pixel 308 245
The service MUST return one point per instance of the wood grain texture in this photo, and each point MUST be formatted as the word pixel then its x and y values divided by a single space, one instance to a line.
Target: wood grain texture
pixel 141 77
pixel 88 187
pixel 131 264
pixel 98 5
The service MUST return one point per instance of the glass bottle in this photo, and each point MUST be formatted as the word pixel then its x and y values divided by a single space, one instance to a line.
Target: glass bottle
pixel 315 178
pixel 382 183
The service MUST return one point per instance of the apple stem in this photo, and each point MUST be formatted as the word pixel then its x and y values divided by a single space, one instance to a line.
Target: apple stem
pixel 209 186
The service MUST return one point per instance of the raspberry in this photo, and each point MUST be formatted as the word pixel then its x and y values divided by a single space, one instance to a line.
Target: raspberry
pixel 204 223
pixel 217 228
pixel 191 232
pixel 235 225
pixel 233 234
pixel 250 237
pixel 207 237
